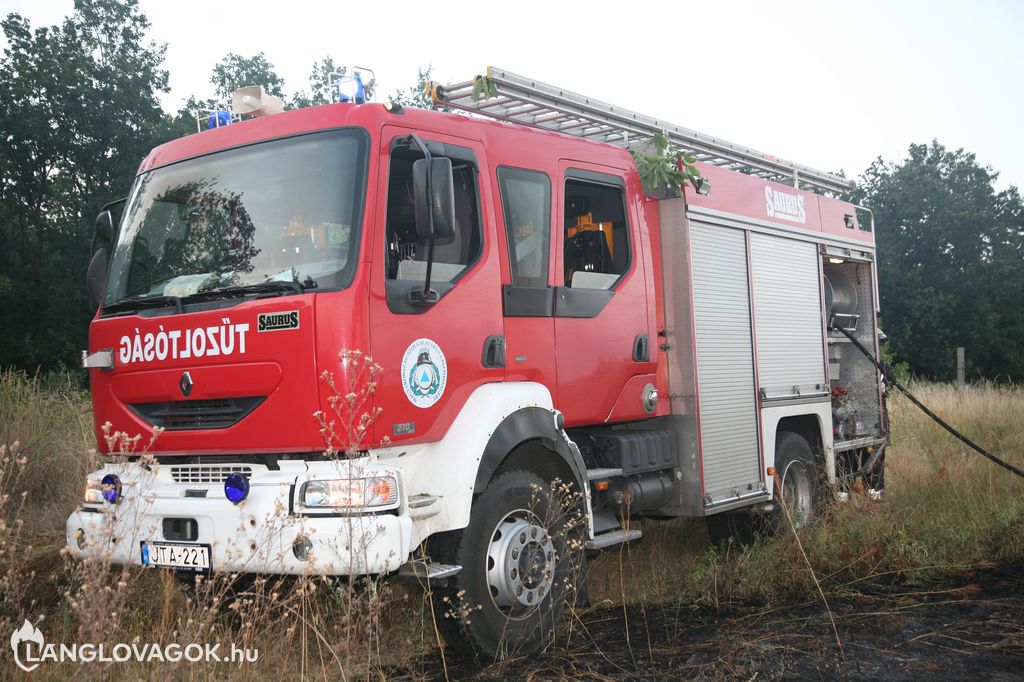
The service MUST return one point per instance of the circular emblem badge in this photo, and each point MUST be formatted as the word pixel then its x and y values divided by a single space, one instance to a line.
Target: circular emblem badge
pixel 424 372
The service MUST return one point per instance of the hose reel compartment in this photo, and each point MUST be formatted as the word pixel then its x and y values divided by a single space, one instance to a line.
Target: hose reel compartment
pixel 841 300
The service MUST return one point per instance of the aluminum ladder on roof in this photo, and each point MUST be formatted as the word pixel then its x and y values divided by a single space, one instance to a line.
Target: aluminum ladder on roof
pixel 527 101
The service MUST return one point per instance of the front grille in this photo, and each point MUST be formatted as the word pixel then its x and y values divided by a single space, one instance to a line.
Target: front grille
pixel 206 473
pixel 218 413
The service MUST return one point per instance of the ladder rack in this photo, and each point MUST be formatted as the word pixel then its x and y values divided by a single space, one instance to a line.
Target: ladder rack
pixel 527 101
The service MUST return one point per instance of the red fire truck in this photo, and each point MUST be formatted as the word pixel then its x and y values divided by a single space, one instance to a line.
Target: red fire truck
pixel 563 350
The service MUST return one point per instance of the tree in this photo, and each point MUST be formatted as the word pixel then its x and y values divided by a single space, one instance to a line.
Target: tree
pixel 236 71
pixel 951 262
pixel 78 111
pixel 319 76
pixel 418 95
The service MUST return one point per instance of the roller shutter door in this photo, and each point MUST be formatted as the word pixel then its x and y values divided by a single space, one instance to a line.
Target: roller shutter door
pixel 787 309
pixel 725 361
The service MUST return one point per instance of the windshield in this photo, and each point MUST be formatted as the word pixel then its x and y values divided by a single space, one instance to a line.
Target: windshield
pixel 282 211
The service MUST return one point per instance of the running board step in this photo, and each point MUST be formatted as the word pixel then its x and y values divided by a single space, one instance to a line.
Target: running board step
pixel 613 537
pixel 600 474
pixel 418 570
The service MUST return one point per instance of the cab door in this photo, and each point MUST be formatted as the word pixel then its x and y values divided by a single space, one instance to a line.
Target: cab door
pixel 603 334
pixel 527 208
pixel 433 352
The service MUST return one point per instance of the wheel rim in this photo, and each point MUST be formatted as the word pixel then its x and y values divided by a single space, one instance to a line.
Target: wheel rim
pixel 796 493
pixel 520 563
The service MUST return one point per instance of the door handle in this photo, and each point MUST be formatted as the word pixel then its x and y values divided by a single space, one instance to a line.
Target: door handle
pixel 641 349
pixel 494 351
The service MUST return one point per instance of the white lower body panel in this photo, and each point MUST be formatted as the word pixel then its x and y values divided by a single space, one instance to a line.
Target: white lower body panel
pixel 254 536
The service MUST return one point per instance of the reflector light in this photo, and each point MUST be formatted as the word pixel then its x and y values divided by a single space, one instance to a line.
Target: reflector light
pixel 111 486
pixel 302 548
pixel 236 487
pixel 771 471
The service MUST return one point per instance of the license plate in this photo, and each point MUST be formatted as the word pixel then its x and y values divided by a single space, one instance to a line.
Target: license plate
pixel 180 555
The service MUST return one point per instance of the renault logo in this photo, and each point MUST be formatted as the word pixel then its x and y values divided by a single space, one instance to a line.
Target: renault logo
pixel 185 384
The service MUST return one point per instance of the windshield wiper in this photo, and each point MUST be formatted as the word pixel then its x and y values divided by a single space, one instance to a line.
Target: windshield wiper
pixel 148 302
pixel 266 288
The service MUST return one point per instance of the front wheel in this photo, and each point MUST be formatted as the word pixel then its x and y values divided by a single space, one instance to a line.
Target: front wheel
pixel 520 555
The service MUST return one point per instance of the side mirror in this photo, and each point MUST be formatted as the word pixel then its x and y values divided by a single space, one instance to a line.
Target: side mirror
pixel 441 201
pixel 103 230
pixel 96 277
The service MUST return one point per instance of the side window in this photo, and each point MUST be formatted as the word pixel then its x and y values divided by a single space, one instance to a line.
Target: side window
pixel 597 251
pixel 526 201
pixel 407 256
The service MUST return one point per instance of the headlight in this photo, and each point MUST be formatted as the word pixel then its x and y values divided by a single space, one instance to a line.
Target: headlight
pixel 100 490
pixel 352 494
pixel 93 491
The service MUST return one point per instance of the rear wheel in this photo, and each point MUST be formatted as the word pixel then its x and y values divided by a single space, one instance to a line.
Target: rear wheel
pixel 797 497
pixel 520 558
pixel 797 488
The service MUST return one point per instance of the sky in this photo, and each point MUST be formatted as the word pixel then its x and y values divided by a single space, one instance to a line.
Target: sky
pixel 828 84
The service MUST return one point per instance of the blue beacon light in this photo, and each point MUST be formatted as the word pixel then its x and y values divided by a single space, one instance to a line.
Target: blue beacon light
pixel 350 89
pixel 216 119
pixel 111 488
pixel 236 487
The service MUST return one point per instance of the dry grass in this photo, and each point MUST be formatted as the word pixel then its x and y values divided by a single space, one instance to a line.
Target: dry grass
pixel 306 626
pixel 946 510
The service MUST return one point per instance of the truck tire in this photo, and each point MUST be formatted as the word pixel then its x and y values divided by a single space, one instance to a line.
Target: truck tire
pixel 797 483
pixel 520 557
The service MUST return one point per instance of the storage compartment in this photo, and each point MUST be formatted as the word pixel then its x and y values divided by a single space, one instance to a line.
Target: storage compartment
pixel 853 378
pixel 633 452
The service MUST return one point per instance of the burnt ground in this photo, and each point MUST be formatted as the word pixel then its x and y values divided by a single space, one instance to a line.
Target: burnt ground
pixel 967 626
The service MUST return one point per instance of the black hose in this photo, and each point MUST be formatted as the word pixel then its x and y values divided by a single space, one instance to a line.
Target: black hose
pixel 938 420
pixel 869 466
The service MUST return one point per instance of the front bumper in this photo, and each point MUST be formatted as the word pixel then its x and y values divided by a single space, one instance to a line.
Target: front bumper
pixel 255 536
